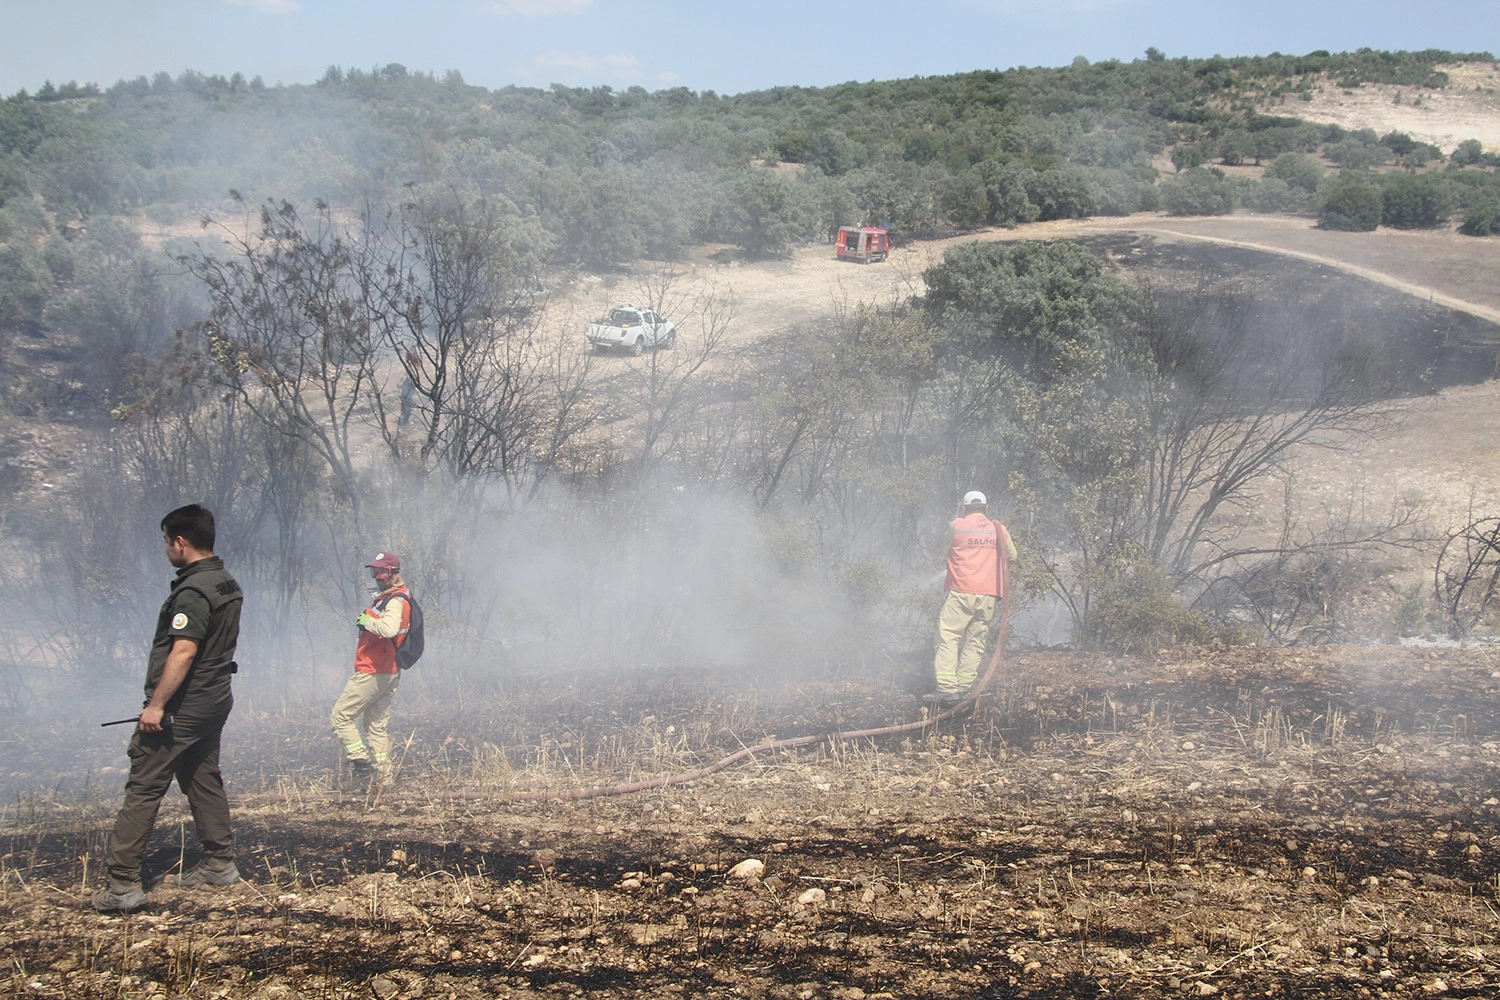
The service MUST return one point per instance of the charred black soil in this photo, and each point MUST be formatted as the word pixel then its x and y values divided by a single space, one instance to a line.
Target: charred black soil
pixel 1241 822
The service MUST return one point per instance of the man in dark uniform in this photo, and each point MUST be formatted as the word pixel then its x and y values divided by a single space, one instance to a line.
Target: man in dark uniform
pixel 187 703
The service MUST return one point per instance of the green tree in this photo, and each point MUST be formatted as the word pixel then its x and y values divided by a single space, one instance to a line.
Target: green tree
pixel 1187 155
pixel 1414 201
pixel 1352 206
pixel 1467 153
pixel 1005 186
pixel 1297 170
pixel 1357 153
pixel 963 200
pixel 85 167
pixel 830 151
pixel 13 179
pixel 1234 146
pixel 1272 194
pixel 25 285
pixel 117 309
pixel 1200 191
pixel 1022 301
pixel 1064 192
pixel 1482 219
pixel 764 213
pixel 898 195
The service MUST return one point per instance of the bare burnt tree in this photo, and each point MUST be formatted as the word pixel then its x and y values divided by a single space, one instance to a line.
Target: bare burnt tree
pixel 1300 585
pixel 1467 574
pixel 456 266
pixel 852 386
pixel 795 402
pixel 315 328
pixel 568 411
pixel 491 395
pixel 77 615
pixel 1238 386
pixel 289 331
pixel 187 437
pixel 669 388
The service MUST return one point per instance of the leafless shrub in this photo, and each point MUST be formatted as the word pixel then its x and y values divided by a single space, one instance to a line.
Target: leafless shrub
pixel 1300 588
pixel 1467 574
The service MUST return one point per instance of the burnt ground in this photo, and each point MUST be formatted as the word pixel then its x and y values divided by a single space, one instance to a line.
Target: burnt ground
pixel 1237 822
pixel 1421 346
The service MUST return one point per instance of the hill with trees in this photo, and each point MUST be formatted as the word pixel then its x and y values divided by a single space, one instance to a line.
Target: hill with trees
pixel 386 227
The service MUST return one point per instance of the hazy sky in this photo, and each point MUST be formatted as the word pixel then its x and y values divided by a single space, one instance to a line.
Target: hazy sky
pixel 728 47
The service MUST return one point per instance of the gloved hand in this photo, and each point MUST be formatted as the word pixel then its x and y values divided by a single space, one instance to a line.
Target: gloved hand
pixel 365 620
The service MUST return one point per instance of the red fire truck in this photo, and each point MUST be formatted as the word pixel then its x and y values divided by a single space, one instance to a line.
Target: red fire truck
pixel 863 243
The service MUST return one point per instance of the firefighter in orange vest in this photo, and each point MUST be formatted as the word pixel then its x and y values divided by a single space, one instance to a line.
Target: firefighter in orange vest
pixel 975 584
pixel 367 695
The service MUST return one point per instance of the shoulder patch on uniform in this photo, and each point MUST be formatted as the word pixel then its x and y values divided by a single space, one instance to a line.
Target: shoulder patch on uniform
pixel 179 621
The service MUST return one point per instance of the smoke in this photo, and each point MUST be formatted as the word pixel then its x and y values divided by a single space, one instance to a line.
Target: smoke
pixel 690 578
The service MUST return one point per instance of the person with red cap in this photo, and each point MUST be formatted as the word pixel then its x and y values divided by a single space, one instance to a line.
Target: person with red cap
pixel 367 695
pixel 975 584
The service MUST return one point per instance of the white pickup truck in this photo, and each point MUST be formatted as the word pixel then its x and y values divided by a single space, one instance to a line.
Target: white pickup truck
pixel 630 329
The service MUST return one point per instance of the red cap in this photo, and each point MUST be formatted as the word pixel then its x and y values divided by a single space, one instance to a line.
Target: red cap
pixel 385 560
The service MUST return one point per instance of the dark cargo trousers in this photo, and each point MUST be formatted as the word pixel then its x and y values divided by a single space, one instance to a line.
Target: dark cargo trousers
pixel 188 752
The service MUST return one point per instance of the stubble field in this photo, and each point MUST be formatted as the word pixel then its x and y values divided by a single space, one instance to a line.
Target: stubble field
pixel 1231 822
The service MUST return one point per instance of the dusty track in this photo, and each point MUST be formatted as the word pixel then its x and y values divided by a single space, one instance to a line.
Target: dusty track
pixel 1442 267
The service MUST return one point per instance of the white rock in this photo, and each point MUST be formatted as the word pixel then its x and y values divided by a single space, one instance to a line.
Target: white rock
pixel 748 869
pixel 812 896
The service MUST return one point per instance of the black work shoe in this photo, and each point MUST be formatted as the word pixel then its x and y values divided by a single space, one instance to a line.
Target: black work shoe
pixel 362 775
pixel 118 897
pixel 210 871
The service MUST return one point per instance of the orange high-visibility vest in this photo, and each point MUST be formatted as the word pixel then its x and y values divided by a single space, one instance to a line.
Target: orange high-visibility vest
pixel 974 555
pixel 376 654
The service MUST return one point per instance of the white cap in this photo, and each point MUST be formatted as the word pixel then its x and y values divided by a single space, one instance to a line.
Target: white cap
pixel 974 498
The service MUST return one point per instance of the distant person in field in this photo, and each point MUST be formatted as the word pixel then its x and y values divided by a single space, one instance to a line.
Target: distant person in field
pixel 188 700
pixel 367 695
pixel 408 396
pixel 975 584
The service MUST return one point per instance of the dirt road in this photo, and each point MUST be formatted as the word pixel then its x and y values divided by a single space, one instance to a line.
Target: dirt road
pixel 1442 267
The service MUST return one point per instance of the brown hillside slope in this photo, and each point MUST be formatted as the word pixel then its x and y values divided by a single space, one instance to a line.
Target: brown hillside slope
pixel 1468 108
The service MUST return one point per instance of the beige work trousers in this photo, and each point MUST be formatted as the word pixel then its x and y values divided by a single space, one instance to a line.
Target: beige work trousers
pixel 366 698
pixel 963 629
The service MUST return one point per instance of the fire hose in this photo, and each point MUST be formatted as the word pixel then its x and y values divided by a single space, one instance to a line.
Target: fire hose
pixel 772 744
